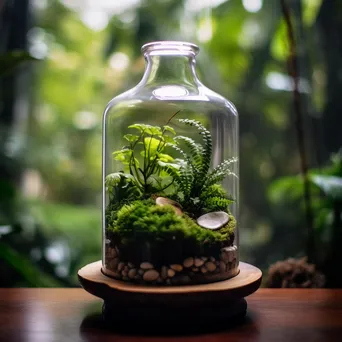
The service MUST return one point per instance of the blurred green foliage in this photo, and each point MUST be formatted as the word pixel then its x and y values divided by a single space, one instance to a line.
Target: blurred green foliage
pixel 85 61
pixel 326 192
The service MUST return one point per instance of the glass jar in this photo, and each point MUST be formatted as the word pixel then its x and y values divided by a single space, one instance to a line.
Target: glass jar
pixel 170 176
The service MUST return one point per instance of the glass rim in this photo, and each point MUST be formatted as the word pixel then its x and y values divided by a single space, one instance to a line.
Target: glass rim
pixel 170 45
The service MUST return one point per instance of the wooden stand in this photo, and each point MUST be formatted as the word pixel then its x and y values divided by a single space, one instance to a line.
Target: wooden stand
pixel 220 302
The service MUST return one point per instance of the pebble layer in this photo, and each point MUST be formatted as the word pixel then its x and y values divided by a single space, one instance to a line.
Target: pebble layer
pixel 193 270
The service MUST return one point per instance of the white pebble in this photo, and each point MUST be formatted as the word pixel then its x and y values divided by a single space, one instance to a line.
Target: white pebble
pixel 177 267
pixel 213 220
pixel 188 262
pixel 146 266
pixel 151 275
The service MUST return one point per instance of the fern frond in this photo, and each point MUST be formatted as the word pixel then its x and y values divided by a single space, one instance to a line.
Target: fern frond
pixel 196 150
pixel 215 190
pixel 216 204
pixel 186 179
pixel 206 148
pixel 220 172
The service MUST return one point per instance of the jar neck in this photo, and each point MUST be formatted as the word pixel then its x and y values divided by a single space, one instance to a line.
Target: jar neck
pixel 170 68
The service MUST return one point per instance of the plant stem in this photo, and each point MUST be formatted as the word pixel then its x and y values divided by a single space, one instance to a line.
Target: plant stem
pixel 293 71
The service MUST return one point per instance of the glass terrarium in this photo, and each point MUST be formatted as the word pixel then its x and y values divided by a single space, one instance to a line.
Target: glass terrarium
pixel 170 176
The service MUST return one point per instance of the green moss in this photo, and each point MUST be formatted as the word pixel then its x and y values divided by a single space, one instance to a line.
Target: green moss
pixel 142 223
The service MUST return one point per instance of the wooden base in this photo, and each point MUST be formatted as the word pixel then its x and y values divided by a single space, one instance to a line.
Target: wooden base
pixel 202 304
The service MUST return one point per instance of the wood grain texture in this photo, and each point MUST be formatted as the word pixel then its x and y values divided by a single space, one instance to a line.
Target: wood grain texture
pixel 246 282
pixel 74 315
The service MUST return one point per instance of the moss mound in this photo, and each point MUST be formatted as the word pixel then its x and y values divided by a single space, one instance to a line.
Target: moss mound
pixel 145 231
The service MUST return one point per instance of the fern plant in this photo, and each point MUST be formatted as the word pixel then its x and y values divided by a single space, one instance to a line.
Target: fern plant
pixel 198 188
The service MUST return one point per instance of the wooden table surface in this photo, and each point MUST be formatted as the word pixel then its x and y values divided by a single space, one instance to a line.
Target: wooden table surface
pixel 74 315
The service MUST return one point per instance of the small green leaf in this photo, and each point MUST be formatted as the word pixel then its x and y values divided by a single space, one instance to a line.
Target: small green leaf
pixel 169 129
pixel 131 137
pixel 169 140
pixel 140 127
pixel 169 165
pixel 165 157
pixel 155 130
pixel 152 145
pixel 123 155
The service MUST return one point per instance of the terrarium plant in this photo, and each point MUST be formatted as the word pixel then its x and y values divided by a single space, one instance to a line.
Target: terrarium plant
pixel 167 212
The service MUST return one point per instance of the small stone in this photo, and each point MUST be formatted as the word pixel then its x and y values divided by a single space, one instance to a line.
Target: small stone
pixel 130 265
pixel 164 272
pixel 204 258
pixel 222 266
pixel 113 264
pixel 199 262
pixel 213 220
pixel 141 272
pixel 151 275
pixel 121 266
pixel 177 267
pixel 162 201
pixel 111 252
pixel 188 262
pixel 212 259
pixel 228 254
pixel 146 266
pixel 124 273
pixel 195 269
pixel 126 269
pixel 170 273
pixel 234 263
pixel 211 267
pixel 132 273
pixel 204 269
